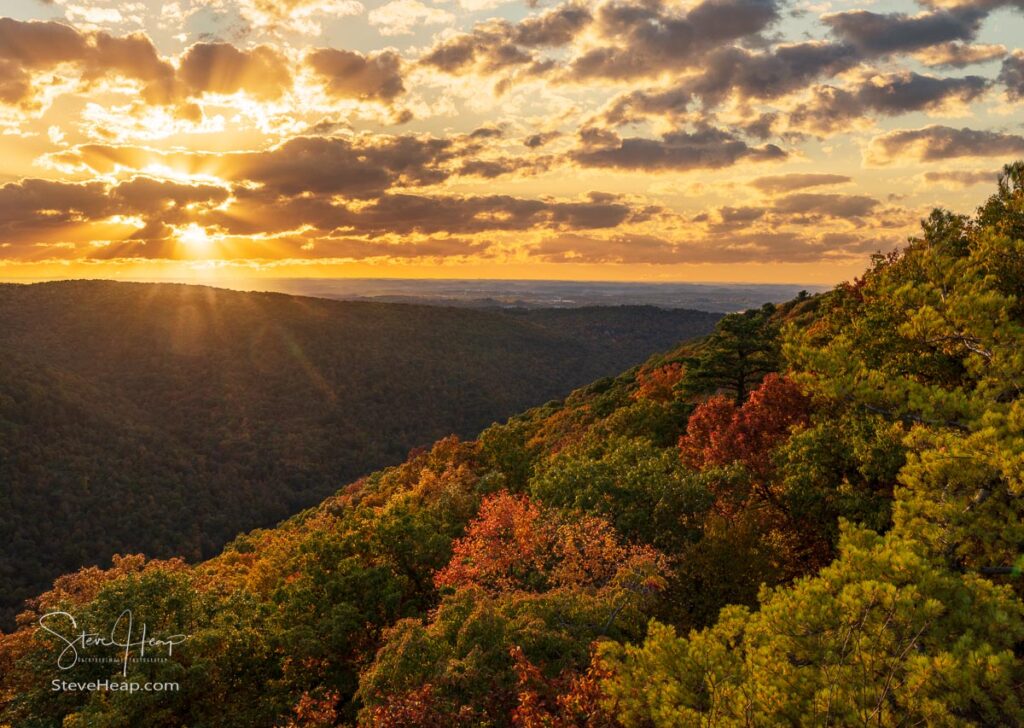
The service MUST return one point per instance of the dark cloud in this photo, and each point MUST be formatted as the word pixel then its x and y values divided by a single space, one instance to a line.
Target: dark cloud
pixel 486 132
pixel 746 74
pixel 490 168
pixel 404 214
pixel 27 47
pixel 15 83
pixel 557 27
pixel 1012 76
pixel 490 47
pixel 36 210
pixel 645 39
pixel 876 34
pixel 535 141
pixel 33 207
pixel 637 105
pixel 963 178
pixel 639 38
pixel 706 148
pixel 829 205
pixel 833 109
pixel 351 75
pixel 357 167
pixel 742 215
pixel 934 143
pixel 775 184
pixel 497 44
pixel 770 74
pixel 407 214
pixel 40 44
pixel 361 167
pixel 221 68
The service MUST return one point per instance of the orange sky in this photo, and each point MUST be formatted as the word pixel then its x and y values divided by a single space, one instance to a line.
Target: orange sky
pixel 656 140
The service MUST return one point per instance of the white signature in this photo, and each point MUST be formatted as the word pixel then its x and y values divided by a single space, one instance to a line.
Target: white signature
pixel 121 636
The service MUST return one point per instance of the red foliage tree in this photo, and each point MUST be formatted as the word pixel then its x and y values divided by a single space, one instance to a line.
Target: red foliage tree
pixel 720 433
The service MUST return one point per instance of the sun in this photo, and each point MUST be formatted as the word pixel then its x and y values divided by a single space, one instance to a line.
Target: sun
pixel 194 236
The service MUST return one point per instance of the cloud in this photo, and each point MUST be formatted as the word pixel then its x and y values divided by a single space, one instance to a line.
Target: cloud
pixel 1012 76
pixel 765 247
pixel 535 141
pixel 407 214
pixel 491 168
pixel 553 28
pixel 27 48
pixel 488 49
pixel 632 39
pixel 878 34
pixel 833 109
pixel 40 44
pixel 781 183
pixel 302 16
pixel 962 178
pixel 401 17
pixel 706 148
pixel 497 44
pixel 732 71
pixel 647 39
pixel 15 83
pixel 36 210
pixel 935 143
pixel 959 55
pixel 39 211
pixel 829 205
pixel 358 168
pixel 220 68
pixel 351 75
pixel 634 106
pixel 403 214
pixel 770 74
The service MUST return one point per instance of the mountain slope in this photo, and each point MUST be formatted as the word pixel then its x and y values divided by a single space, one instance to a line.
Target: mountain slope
pixel 168 418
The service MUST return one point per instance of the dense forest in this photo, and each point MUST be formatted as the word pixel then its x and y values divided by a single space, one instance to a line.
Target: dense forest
pixel 169 418
pixel 811 517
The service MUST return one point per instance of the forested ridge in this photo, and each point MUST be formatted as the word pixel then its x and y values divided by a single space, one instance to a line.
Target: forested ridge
pixel 168 418
pixel 811 517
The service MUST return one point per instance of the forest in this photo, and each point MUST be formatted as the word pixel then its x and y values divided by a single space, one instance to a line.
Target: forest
pixel 811 516
pixel 168 418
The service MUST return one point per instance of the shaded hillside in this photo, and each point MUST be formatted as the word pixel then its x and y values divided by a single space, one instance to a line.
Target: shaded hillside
pixel 167 418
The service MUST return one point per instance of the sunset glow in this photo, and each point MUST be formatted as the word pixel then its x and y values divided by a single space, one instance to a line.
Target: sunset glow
pixel 723 140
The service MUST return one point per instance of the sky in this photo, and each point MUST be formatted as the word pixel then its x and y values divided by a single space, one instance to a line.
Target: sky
pixel 651 140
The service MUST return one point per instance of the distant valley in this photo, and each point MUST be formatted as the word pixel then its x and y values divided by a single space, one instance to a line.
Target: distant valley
pixel 167 418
